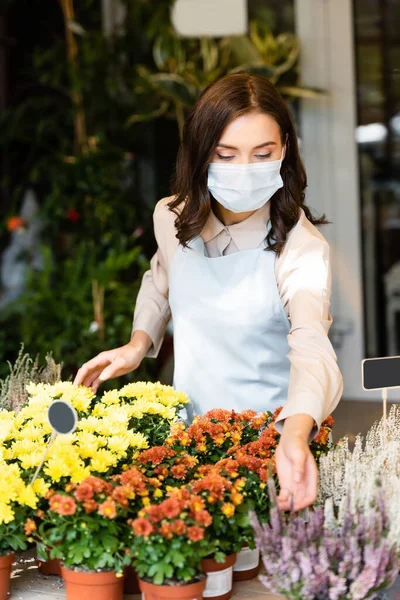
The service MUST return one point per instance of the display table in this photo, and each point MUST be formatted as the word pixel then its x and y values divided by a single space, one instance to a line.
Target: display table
pixel 28 584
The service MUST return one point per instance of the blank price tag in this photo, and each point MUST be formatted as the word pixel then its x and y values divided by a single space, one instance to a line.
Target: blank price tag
pixel 212 18
pixel 381 374
pixel 63 419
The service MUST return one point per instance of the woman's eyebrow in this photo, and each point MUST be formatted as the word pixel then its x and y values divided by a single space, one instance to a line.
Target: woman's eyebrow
pixel 255 147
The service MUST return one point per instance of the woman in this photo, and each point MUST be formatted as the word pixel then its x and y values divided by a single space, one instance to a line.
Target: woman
pixel 246 276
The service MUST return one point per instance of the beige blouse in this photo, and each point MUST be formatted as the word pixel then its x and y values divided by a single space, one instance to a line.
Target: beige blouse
pixel 303 278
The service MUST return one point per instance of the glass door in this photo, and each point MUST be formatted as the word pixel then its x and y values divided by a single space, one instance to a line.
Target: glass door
pixel 377 50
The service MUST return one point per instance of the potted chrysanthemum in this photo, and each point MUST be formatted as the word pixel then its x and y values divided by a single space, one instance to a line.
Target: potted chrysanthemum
pixel 168 543
pixel 85 526
pixel 17 502
pixel 110 431
pixel 145 490
pixel 222 497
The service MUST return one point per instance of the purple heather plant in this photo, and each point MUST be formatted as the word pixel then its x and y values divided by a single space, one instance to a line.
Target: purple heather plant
pixel 319 559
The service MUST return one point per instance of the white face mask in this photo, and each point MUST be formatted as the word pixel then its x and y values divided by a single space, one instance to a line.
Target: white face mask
pixel 244 188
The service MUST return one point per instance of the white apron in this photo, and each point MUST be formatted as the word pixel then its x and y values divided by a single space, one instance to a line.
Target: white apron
pixel 230 330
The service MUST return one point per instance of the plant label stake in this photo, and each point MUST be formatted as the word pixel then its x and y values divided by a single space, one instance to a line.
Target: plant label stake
pixel 63 419
pixel 381 374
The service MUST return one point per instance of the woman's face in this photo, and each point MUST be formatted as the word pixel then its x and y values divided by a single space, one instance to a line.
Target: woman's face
pixel 252 138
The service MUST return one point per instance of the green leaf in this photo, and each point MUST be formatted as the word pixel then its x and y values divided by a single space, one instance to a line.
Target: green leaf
pixel 243 50
pixel 174 87
pixel 168 49
pixel 301 92
pixel 143 117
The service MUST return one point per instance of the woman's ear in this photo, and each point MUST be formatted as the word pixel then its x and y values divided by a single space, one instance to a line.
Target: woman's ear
pixel 285 146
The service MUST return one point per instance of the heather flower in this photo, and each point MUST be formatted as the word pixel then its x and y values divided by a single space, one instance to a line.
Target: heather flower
pixel 351 476
pixel 326 557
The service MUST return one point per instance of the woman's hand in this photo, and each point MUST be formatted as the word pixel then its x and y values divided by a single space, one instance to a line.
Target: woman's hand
pixel 114 363
pixel 297 469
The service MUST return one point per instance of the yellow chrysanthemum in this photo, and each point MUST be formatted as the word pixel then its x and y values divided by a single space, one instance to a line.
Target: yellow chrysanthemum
pixel 103 460
pixel 28 497
pixel 7 425
pixel 6 513
pixel 40 487
pixel 118 444
pixel 111 397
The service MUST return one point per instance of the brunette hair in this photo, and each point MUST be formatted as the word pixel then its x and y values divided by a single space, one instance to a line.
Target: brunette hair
pixel 228 98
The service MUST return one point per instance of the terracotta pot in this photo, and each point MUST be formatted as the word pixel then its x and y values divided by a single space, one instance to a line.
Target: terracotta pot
pixel 5 574
pixel 247 565
pixel 92 586
pixel 219 578
pixel 189 591
pixel 131 581
pixel 49 567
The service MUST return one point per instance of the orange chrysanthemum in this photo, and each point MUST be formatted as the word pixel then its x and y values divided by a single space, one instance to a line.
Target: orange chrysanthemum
pixel 155 455
pixel 108 509
pixel 90 506
pixel 203 517
pixel 142 527
pixel 195 533
pixel 30 527
pixel 178 527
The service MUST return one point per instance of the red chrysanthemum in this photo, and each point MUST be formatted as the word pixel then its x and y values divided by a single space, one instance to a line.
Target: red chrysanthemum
pixel 142 527
pixel 84 492
pixel 203 517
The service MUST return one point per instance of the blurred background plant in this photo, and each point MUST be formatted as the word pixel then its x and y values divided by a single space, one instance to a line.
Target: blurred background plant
pixel 92 132
pixel 13 393
pixel 185 67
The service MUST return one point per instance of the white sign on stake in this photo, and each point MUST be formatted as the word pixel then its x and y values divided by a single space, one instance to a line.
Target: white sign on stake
pixel 63 419
pixel 209 18
pixel 381 374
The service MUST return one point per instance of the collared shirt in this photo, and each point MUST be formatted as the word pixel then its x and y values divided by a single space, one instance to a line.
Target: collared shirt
pixel 303 276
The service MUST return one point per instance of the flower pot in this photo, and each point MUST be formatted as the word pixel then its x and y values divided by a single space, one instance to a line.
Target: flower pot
pixel 51 566
pixel 131 581
pixel 89 586
pixel 5 574
pixel 247 565
pixel 219 578
pixel 189 591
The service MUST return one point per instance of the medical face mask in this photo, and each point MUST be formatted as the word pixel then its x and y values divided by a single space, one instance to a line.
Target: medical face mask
pixel 244 188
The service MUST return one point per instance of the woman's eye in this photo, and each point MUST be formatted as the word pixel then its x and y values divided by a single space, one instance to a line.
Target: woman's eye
pixel 225 157
pixel 264 156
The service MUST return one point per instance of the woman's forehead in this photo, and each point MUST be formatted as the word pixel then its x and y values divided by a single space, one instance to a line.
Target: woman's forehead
pixel 252 130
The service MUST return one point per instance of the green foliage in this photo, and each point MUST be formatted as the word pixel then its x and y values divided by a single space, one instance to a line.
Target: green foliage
pixel 87 541
pixel 66 135
pixel 185 67
pixel 177 560
pixel 12 536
